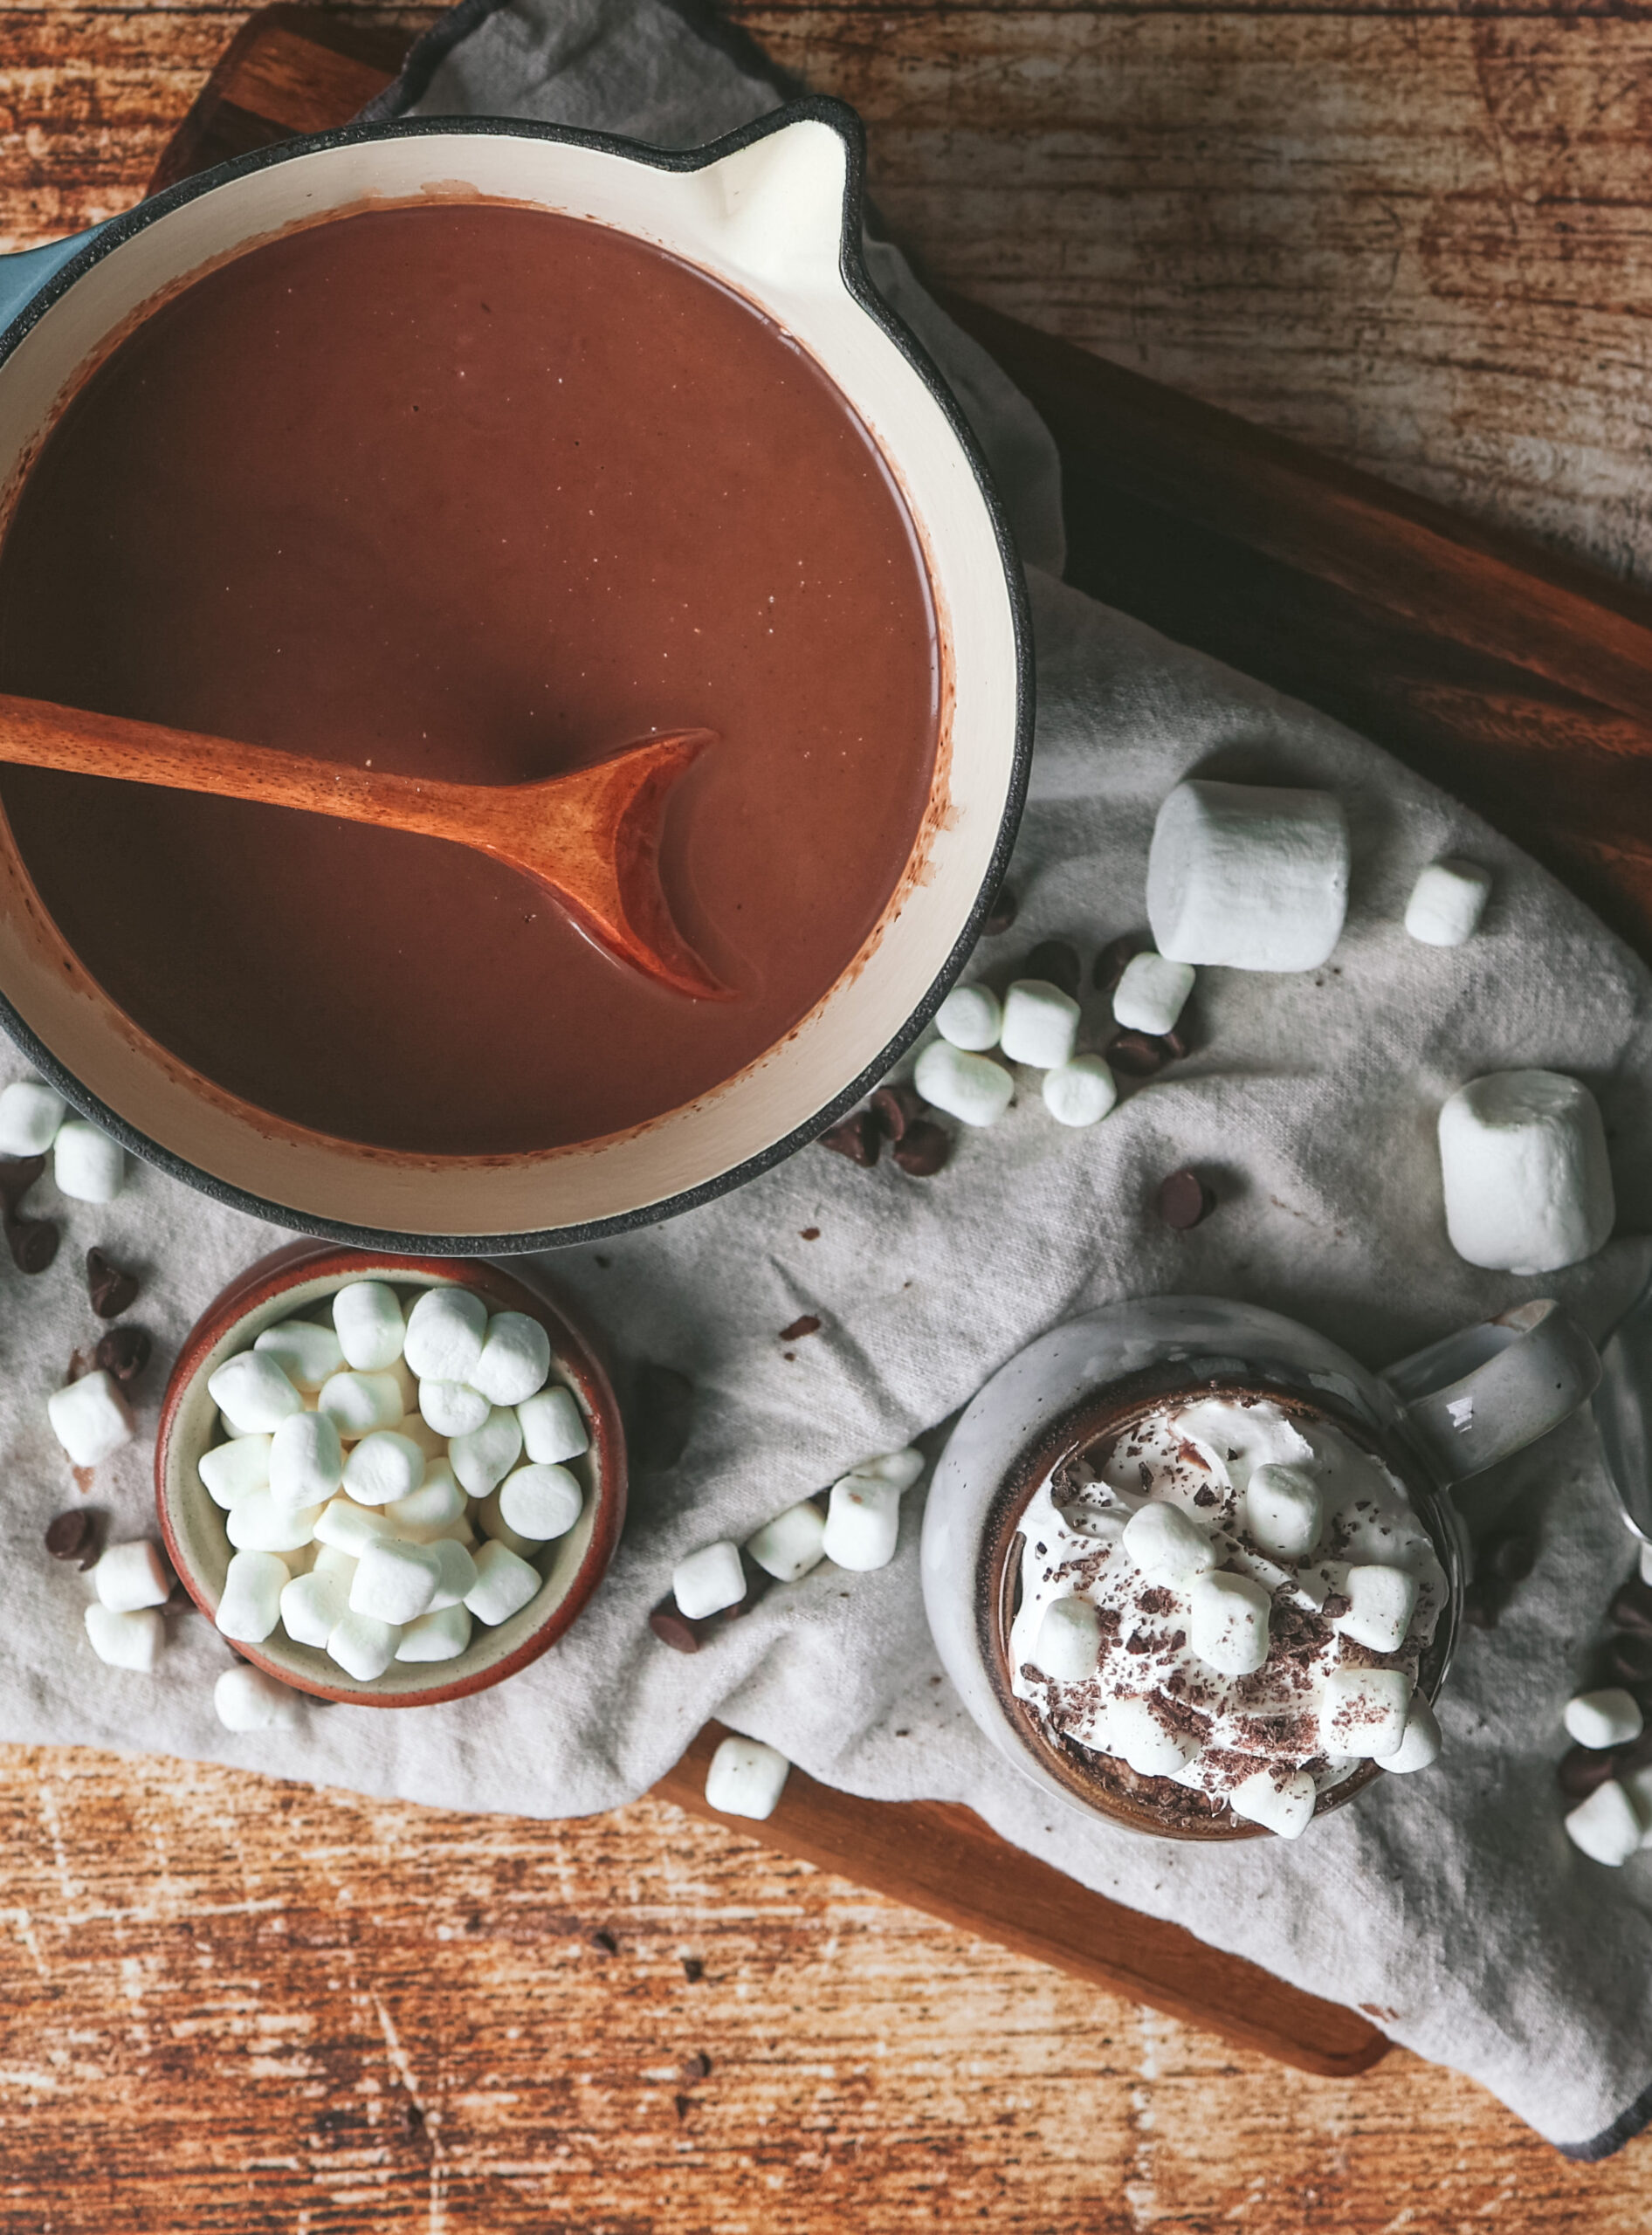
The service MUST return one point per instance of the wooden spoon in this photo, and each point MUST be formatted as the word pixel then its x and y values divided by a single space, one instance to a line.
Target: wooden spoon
pixel 590 836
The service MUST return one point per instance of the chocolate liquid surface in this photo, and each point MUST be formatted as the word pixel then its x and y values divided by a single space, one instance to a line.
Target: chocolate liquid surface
pixel 480 493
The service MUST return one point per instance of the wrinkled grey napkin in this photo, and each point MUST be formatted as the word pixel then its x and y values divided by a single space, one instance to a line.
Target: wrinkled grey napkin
pixel 1450 1903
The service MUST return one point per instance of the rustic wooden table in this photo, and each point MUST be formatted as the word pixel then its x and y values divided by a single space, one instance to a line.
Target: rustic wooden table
pixel 1416 238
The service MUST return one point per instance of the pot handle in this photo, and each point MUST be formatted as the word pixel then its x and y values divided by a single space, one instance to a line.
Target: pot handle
pixel 24 273
pixel 1487 1392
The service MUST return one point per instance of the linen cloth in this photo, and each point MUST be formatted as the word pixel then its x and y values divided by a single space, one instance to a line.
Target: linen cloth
pixel 1450 1902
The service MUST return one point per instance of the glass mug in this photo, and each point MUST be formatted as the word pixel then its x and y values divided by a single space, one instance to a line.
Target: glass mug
pixel 1447 1412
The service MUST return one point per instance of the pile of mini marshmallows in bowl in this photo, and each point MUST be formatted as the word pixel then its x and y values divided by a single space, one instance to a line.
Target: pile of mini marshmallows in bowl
pixel 362 1454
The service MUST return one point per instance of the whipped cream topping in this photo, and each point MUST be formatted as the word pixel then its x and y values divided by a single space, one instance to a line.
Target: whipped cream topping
pixel 1151 1701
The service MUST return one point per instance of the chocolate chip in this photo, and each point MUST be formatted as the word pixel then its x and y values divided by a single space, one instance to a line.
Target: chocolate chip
pixel 73 1536
pixel 1583 1769
pixel 1507 1558
pixel 895 1108
pixel 112 1290
pixel 857 1137
pixel 659 1417
pixel 699 2066
pixel 1184 1199
pixel 1002 914
pixel 1174 1043
pixel 684 2106
pixel 693 1970
pixel 1137 1054
pixel 33 1243
pixel 18 1175
pixel 675 1629
pixel 1629 1658
pixel 923 1150
pixel 1056 962
pixel 808 1234
pixel 1111 962
pixel 809 1324
pixel 1632 1607
pixel 413 2118
pixel 604 1942
pixel 122 1353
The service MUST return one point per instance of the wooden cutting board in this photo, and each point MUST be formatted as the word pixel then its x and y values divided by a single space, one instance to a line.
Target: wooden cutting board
pixel 1519 681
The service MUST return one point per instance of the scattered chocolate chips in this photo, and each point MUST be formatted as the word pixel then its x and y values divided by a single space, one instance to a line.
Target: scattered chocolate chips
pixel 1629 1658
pixel 1507 1558
pixel 18 1175
pixel 675 1629
pixel 699 2066
pixel 413 2118
pixel 857 1137
pixel 112 1290
pixel 122 1354
pixel 33 1243
pixel 693 1970
pixel 1056 963
pixel 1632 1608
pixel 659 1417
pixel 1111 962
pixel 1582 1769
pixel 1184 1199
pixel 1002 914
pixel 73 1536
pixel 808 1234
pixel 922 1150
pixel 809 1324
pixel 1137 1054
pixel 684 2106
pixel 896 1108
pixel 603 1942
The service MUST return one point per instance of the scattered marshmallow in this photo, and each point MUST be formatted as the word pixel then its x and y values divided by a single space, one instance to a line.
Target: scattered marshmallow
pixel 306 1460
pixel 1447 903
pixel 483 1459
pixel 437 1502
pixel 1248 875
pixel 1152 993
pixel 1227 1623
pixel 312 1605
pixel 1081 1092
pixel 744 1777
pixel 455 1577
pixel 1283 1509
pixel 1041 1024
pixel 900 1469
pixel 131 1575
pixel 1285 1807
pixel 1068 1642
pixel 540 1503
pixel 307 1354
pixel 30 1115
pixel 1381 1603
pixel 970 1017
pixel 383 1466
pixel 395 1581
pixel 349 1528
pixel 231 1470
pixel 516 1357
pixel 361 1403
pixel 253 1394
pixel 1612 1717
pixel 1607 1827
pixel 134 1641
pixel 88 1165
pixel 453 1407
pixel 1420 1748
pixel 90 1419
pixel 371 1330
pixel 552 1429
pixel 251 1605
pixel 863 1523
pixel 973 1089
pixel 445 1330
pixel 1135 1733
pixel 441 1634
pixel 1363 1712
pixel 707 1581
pixel 504 1583
pixel 1522 1157
pixel 260 1522
pixel 790 1544
pixel 363 1646
pixel 1165 1544
pixel 247 1699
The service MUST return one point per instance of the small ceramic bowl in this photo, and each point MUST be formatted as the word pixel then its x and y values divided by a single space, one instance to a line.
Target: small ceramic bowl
pixel 293 1282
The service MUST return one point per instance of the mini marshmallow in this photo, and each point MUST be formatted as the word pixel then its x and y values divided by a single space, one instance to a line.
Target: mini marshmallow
pixel 260 1522
pixel 1612 1717
pixel 441 1634
pixel 1082 1093
pixel 863 1523
pixel 1152 993
pixel 367 1317
pixel 253 1393
pixel 90 1419
pixel 1227 1623
pixel 360 1403
pixel 1607 1826
pixel 363 1646
pixel 307 1460
pixel 383 1466
pixel 455 1577
pixel 540 1503
pixel 312 1606
pixel 1165 1544
pixel 349 1528
pixel 971 1087
pixel 900 1469
pixel 744 1777
pixel 437 1501
pixel 1420 1748
pixel 29 1116
pixel 247 1699
pixel 1283 1509
pixel 1382 1601
pixel 790 1544
pixel 1285 1808
pixel 1248 875
pixel 251 1605
pixel 88 1165
pixel 493 1524
pixel 445 1330
pixel 553 1427
pixel 130 1576
pixel 1041 1024
pixel 1068 1642
pixel 135 1641
pixel 970 1017
pixel 483 1459
pixel 707 1581
pixel 329 1560
pixel 230 1470
pixel 503 1584
pixel 1363 1712
pixel 453 1407
pixel 393 1581
pixel 516 1357
pixel 1135 1733
pixel 308 1355
pixel 1447 903
pixel 1522 1158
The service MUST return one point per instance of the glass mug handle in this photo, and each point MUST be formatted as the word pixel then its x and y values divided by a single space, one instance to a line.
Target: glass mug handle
pixel 1487 1392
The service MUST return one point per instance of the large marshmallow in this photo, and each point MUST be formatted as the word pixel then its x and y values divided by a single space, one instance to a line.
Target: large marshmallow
pixel 540 1503
pixel 483 1459
pixel 707 1581
pixel 233 1470
pixel 516 1357
pixel 553 1427
pixel 90 1419
pixel 1447 903
pixel 305 1459
pixel 1363 1712
pixel 308 1355
pixel 1381 1601
pixel 1283 1509
pixel 973 1089
pixel 359 1404
pixel 260 1522
pixel 371 1329
pixel 29 1116
pixel 348 1528
pixel 485 1512
pixel 1420 1748
pixel 971 1017
pixel 312 1606
pixel 453 1407
pixel 395 1581
pixel 363 1646
pixel 455 1577
pixel 1248 875
pixel 863 1523
pixel 445 1331
pixel 1152 993
pixel 1528 1188
pixel 790 1544
pixel 1068 1646
pixel 130 1576
pixel 251 1605
pixel 1165 1544
pixel 1082 1093
pixel 383 1466
pixel 247 1699
pixel 1285 1807
pixel 504 1583
pixel 1041 1024
pixel 1135 1733
pixel 441 1634
pixel 134 1641
pixel 1612 1717
pixel 1607 1827
pixel 437 1502
pixel 253 1394
pixel 744 1777
pixel 88 1165
pixel 1228 1622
